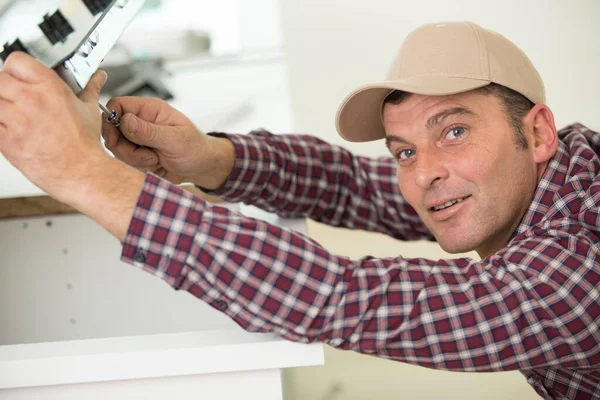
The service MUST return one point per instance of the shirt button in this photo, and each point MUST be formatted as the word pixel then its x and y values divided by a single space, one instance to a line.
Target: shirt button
pixel 222 305
pixel 139 257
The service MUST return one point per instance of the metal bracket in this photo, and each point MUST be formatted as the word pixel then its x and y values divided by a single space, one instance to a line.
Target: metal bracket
pixel 77 37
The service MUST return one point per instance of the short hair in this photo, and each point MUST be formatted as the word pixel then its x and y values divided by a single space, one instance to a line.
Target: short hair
pixel 516 106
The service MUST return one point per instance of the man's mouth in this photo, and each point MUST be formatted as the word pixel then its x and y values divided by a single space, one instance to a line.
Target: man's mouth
pixel 448 204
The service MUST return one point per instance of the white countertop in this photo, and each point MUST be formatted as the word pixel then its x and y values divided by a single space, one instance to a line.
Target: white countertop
pixel 150 356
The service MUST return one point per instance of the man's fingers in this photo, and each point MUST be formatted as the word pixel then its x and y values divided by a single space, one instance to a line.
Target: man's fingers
pixel 114 137
pixel 114 140
pixel 138 157
pixel 110 134
pixel 10 87
pixel 27 69
pixel 142 107
pixel 91 92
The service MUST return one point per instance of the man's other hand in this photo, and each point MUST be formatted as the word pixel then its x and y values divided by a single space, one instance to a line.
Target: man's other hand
pixel 154 137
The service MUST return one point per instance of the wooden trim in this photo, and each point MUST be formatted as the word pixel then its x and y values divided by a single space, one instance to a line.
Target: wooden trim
pixel 35 206
pixel 20 207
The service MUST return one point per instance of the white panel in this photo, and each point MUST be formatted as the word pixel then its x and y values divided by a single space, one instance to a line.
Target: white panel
pixel 61 279
pixel 149 356
pixel 255 385
pixel 233 94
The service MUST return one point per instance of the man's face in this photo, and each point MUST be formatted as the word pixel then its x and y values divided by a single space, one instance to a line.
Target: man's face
pixel 459 167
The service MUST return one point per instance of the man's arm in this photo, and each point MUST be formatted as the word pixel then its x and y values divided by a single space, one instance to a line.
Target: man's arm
pixel 108 196
pixel 300 176
pixel 531 305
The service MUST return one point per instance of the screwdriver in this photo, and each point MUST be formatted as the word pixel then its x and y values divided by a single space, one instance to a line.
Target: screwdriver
pixel 112 117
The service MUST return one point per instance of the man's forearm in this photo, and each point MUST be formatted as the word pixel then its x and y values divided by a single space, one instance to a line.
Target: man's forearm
pixel 108 196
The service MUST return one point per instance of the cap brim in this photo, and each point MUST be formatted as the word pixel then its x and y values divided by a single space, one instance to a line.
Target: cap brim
pixel 359 117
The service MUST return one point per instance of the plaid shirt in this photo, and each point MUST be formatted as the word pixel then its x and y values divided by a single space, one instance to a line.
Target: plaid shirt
pixel 533 306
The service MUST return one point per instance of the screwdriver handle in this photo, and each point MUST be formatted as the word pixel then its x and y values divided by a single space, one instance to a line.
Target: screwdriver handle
pixel 112 117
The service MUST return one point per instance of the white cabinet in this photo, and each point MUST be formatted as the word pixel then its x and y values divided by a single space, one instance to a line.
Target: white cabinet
pixel 215 365
pixel 77 323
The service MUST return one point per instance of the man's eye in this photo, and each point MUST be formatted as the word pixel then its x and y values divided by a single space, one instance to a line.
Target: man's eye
pixel 405 154
pixel 455 132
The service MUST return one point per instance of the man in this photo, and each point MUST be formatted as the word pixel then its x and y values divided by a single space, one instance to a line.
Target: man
pixel 477 164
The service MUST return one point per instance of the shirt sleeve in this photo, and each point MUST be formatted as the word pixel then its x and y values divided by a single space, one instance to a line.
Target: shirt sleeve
pixel 530 305
pixel 300 176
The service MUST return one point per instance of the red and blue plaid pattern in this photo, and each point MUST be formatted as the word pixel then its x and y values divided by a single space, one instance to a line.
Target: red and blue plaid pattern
pixel 533 306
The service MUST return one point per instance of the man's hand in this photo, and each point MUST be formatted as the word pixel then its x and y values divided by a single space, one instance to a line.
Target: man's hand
pixel 154 137
pixel 53 138
pixel 46 131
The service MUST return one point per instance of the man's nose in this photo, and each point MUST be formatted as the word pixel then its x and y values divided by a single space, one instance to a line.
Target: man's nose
pixel 430 169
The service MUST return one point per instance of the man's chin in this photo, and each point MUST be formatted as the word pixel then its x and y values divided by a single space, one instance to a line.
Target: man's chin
pixel 455 245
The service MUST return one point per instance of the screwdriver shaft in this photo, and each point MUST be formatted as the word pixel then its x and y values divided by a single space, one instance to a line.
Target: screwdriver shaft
pixel 104 109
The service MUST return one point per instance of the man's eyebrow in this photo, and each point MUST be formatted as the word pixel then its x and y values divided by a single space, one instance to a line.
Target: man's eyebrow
pixel 391 139
pixel 439 117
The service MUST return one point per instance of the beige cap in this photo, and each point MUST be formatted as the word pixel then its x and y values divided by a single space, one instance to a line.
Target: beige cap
pixel 440 59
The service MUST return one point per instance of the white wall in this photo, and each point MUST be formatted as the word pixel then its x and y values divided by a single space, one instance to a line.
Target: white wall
pixel 232 24
pixel 332 47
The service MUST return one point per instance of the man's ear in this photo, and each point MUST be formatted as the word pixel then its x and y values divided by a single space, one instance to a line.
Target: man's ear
pixel 539 126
